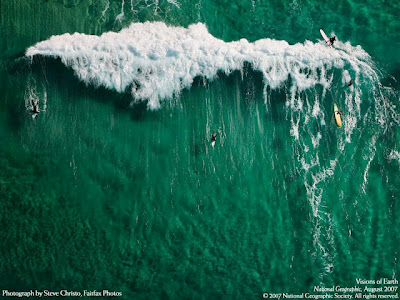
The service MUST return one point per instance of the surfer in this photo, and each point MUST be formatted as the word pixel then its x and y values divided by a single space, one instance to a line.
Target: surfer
pixel 328 41
pixel 350 82
pixel 35 109
pixel 213 138
pixel 337 114
pixel 350 230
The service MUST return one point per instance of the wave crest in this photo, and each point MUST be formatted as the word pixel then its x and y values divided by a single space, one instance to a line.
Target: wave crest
pixel 155 61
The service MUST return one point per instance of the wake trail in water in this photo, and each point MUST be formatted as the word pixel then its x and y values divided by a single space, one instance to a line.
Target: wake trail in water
pixel 35 95
pixel 121 16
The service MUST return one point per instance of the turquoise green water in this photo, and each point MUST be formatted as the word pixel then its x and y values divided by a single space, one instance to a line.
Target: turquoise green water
pixel 101 193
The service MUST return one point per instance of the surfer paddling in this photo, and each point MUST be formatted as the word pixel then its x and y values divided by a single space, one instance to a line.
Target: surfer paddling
pixel 338 115
pixel 213 138
pixel 35 109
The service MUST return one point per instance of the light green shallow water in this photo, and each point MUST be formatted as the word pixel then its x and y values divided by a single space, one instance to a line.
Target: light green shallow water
pixel 98 194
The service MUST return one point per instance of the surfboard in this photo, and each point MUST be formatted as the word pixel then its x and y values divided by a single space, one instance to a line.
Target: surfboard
pixel 326 39
pixel 213 143
pixel 338 117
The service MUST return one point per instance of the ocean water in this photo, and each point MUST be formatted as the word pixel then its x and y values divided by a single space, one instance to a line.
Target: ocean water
pixel 115 184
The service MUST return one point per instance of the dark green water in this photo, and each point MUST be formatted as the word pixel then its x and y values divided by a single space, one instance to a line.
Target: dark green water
pixel 100 193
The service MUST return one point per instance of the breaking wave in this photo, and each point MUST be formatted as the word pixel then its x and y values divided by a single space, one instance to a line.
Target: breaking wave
pixel 154 61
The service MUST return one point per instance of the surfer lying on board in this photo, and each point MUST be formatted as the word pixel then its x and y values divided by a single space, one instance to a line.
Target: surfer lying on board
pixel 339 112
pixel 332 40
pixel 350 82
pixel 35 109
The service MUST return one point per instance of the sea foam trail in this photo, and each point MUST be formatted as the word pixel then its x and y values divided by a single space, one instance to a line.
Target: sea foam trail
pixel 155 61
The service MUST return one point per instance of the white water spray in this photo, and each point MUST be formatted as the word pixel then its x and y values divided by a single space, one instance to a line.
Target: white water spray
pixel 155 61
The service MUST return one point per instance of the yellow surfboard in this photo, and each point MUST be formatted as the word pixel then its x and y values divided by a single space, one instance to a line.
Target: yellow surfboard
pixel 338 117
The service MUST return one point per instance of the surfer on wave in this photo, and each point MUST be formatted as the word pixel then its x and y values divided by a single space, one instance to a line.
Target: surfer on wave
pixel 332 40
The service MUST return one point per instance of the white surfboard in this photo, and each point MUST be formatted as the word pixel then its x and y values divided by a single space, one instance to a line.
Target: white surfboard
pixel 326 39
pixel 213 143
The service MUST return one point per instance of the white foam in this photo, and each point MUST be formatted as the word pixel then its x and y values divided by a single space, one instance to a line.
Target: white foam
pixel 155 61
pixel 175 3
pixel 394 155
pixel 121 15
pixel 315 139
pixel 33 94
pixel 103 13
pixel 370 159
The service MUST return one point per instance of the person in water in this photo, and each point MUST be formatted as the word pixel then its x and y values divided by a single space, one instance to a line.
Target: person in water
pixel 35 108
pixel 332 40
pixel 340 112
pixel 350 82
pixel 214 137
